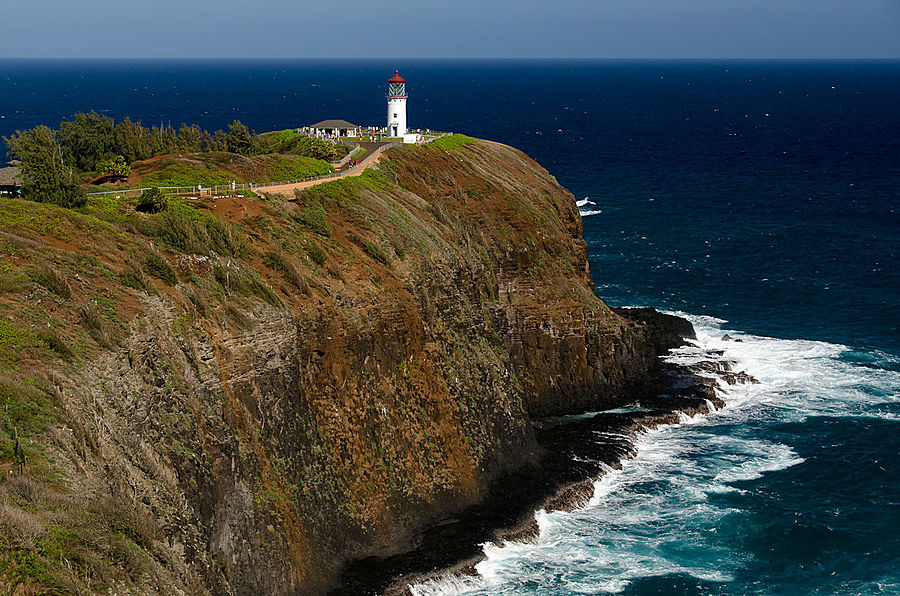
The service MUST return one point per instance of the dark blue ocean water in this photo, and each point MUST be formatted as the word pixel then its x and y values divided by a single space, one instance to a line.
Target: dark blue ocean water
pixel 759 199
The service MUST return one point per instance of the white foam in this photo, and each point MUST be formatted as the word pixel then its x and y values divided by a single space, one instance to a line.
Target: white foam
pixel 801 377
pixel 654 516
pixel 589 212
pixel 447 585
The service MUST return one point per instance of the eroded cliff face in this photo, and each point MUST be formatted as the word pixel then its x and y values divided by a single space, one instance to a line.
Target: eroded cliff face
pixel 335 390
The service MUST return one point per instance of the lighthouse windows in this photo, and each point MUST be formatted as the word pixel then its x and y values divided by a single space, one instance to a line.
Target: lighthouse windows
pixel 395 115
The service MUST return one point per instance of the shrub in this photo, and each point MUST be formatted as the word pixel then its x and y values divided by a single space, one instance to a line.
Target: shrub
pixel 224 238
pixel 200 304
pixel 115 166
pixel 259 289
pixel 12 282
pixel 275 260
pixel 374 251
pixel 236 280
pixel 51 279
pixel 240 320
pixel 93 322
pixel 315 219
pixel 315 253
pixel 187 230
pixel 152 200
pixel 57 345
pixel 132 276
pixel 157 266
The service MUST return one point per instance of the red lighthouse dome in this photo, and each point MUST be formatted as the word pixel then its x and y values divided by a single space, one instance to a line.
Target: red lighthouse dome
pixel 396 78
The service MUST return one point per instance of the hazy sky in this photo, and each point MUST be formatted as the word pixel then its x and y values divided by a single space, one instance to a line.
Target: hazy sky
pixel 452 29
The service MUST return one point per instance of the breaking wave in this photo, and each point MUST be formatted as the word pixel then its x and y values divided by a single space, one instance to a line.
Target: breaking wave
pixel 682 511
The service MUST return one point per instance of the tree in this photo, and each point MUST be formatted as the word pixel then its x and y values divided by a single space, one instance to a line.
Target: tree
pixel 190 138
pixel 152 200
pixel 239 139
pixel 219 141
pixel 115 166
pixel 163 140
pixel 131 140
pixel 46 177
pixel 87 140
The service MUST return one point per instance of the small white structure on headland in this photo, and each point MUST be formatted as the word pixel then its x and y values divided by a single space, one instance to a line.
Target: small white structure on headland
pixel 333 128
pixel 396 106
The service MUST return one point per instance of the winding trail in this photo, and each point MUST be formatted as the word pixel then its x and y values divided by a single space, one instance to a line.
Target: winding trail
pixel 368 161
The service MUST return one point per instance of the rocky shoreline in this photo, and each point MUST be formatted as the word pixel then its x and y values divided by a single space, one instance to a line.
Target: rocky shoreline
pixel 576 451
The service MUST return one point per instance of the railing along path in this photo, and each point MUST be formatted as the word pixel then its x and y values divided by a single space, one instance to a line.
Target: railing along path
pixel 253 186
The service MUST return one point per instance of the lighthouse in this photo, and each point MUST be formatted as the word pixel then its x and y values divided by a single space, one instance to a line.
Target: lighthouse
pixel 396 106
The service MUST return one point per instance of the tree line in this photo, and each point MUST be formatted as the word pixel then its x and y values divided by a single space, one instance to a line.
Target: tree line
pixel 55 161
pixel 91 139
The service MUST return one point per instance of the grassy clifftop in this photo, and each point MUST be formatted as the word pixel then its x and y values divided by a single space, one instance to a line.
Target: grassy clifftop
pixel 237 395
pixel 214 168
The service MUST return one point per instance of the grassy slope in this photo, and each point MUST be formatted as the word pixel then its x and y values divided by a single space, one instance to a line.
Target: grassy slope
pixel 221 168
pixel 69 284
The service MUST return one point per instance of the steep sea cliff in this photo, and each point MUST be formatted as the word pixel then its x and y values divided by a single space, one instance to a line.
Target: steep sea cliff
pixel 309 380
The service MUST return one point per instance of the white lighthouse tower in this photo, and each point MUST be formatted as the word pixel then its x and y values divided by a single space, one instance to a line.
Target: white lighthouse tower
pixel 396 106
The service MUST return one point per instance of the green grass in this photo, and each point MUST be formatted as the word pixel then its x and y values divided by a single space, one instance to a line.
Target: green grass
pixel 315 253
pixel 26 408
pixel 20 215
pixel 343 191
pixel 289 167
pixel 314 218
pixel 451 142
pixel 157 266
pixel 15 342
pixel 181 173
pixel 222 168
pixel 188 230
pixel 108 207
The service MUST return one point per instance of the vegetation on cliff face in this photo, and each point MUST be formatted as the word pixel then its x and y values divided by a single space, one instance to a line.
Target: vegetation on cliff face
pixel 236 395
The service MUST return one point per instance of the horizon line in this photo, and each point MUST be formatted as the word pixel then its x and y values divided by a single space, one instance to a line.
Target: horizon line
pixel 450 59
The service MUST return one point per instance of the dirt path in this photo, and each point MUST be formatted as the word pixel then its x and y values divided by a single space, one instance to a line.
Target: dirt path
pixel 368 161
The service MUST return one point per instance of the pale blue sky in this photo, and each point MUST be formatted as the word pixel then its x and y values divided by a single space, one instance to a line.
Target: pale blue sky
pixel 452 29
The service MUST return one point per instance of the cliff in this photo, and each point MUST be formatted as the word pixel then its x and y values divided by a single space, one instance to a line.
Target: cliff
pixel 239 396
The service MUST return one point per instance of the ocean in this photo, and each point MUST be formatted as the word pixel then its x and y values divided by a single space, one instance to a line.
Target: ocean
pixel 760 200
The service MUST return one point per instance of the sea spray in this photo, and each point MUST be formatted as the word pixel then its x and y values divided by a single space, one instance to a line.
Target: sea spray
pixel 671 516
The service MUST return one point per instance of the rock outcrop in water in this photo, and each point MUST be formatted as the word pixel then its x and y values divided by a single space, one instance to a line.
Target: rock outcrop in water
pixel 368 365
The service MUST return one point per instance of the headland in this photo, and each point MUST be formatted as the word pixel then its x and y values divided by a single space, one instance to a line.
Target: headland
pixel 245 394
